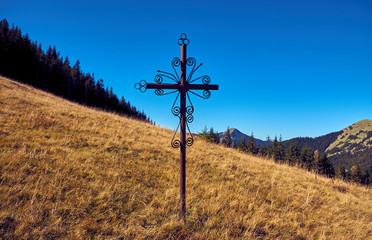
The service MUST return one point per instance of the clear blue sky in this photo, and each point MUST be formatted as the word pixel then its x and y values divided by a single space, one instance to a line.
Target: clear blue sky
pixel 295 68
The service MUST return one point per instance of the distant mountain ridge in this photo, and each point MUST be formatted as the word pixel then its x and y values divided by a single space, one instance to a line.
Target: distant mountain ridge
pixel 353 139
pixel 237 136
pixel 349 146
pixel 353 146
pixel 320 143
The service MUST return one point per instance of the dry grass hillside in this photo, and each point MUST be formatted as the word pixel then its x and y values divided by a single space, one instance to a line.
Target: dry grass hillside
pixel 67 171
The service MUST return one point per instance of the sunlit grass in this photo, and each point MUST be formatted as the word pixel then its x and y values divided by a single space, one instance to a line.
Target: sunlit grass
pixel 67 171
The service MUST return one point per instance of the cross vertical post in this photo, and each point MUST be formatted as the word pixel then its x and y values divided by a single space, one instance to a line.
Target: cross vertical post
pixel 184 111
pixel 183 134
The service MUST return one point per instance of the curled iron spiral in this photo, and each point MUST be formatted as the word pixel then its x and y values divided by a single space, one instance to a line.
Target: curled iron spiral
pixel 176 110
pixel 189 141
pixel 190 110
pixel 141 86
pixel 191 61
pixel 190 118
pixel 158 78
pixel 206 79
pixel 176 62
pixel 159 92
pixel 176 143
pixel 206 94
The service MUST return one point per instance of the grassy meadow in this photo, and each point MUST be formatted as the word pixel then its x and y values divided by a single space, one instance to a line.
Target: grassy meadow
pixel 72 172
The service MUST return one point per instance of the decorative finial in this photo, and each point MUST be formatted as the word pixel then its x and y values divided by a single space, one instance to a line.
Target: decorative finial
pixel 183 40
pixel 141 86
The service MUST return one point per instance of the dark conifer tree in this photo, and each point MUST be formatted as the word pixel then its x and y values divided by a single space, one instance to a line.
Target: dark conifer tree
pixel 307 158
pixel 341 172
pixel 213 136
pixel 266 148
pixel 251 145
pixel 325 167
pixel 294 154
pixel 366 178
pixel 227 140
pixel 243 145
pixel 355 174
pixel 278 150
pixel 67 78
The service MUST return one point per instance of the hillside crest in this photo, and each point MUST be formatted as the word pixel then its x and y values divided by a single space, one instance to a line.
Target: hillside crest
pixel 359 133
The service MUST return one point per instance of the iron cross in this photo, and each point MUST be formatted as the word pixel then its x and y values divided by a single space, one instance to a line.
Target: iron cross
pixel 182 87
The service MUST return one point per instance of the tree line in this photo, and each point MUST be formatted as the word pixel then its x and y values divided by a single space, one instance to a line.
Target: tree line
pixel 304 157
pixel 24 60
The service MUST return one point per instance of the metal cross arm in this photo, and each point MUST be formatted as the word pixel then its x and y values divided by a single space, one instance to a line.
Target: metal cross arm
pixel 179 87
pixel 184 111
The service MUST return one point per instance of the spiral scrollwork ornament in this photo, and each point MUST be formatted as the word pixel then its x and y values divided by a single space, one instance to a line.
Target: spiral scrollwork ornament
pixel 190 110
pixel 176 143
pixel 190 118
pixel 206 79
pixel 206 94
pixel 176 62
pixel 191 61
pixel 176 111
pixel 158 78
pixel 189 141
pixel 159 92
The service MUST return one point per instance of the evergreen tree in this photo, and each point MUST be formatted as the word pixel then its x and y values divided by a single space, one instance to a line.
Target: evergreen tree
pixel 243 145
pixel 251 145
pixel 77 85
pixel 210 135
pixel 227 139
pixel 294 154
pixel 266 148
pixel 274 148
pixel 258 150
pixel 366 178
pixel 66 69
pixel 356 174
pixel 213 136
pixel 341 172
pixel 278 150
pixel 307 158
pixel 325 167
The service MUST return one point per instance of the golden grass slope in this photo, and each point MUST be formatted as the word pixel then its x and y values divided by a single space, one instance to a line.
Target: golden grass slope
pixel 67 171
